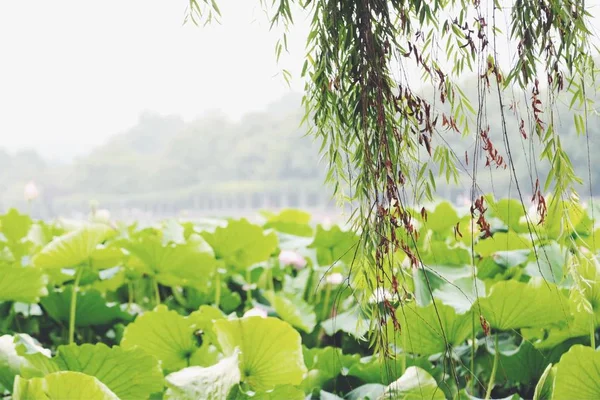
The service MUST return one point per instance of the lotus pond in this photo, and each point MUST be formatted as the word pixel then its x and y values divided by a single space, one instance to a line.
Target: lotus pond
pixel 283 309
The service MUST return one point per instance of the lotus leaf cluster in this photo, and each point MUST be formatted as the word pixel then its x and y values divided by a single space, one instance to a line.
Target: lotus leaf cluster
pixel 284 308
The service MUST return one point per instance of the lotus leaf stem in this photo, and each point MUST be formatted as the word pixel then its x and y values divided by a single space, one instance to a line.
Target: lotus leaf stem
pixel 326 311
pixel 74 305
pixel 156 292
pixel 593 331
pixel 217 289
pixel 488 392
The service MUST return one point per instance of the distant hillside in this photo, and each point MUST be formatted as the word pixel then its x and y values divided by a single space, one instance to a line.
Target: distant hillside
pixel 163 153
pixel 165 163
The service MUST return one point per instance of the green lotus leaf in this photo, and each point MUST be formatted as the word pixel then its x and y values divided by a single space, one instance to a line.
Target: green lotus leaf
pixel 328 359
pixel 415 383
pixel 334 245
pixel 323 365
pixel 38 360
pixel 92 308
pixel 439 253
pixel 61 386
pixel 583 306
pixel 515 305
pixel 460 294
pixel 166 335
pixel 351 321
pixel 577 324
pixel 590 242
pixel 200 243
pixel 297 285
pixel 447 273
pixel 511 258
pixel 442 219
pixel 184 265
pixel 41 233
pixel 545 386
pixel 431 277
pixel 15 226
pixel 189 228
pixel 129 373
pixel 6 256
pixel 287 392
pixel 369 369
pixel 464 395
pixel 111 282
pixel 502 241
pixel 510 211
pixel 73 248
pixel 59 277
pixel 522 365
pixel 369 391
pixel 323 395
pixel 428 279
pixel 241 244
pixel 204 318
pixel 10 361
pixel 294 310
pixel 550 263
pixel 271 350
pixel 24 284
pixel 68 225
pixel 578 374
pixel 198 383
pixel 104 257
pixel 209 224
pixel 421 332
pixel 290 221
pixel 207 355
pixel 585 226
pixel 229 299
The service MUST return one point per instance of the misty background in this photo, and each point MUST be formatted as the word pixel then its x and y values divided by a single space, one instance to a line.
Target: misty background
pixel 120 104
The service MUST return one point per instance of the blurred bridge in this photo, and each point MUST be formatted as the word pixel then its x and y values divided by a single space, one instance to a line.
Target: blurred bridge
pixel 219 199
pixel 234 199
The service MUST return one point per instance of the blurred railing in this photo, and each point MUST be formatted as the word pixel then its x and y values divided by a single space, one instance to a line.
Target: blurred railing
pixel 217 199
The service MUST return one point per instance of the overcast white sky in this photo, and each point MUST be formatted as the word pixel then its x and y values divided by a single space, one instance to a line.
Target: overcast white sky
pixel 74 72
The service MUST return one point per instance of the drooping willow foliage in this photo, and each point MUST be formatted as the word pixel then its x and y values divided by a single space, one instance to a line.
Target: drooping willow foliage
pixel 385 140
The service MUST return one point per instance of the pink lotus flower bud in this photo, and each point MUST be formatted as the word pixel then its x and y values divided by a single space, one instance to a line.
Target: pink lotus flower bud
pixel 335 279
pixel 288 257
pixel 102 215
pixel 256 312
pixel 31 191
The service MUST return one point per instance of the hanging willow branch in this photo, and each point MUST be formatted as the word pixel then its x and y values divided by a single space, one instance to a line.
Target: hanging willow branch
pixel 385 142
